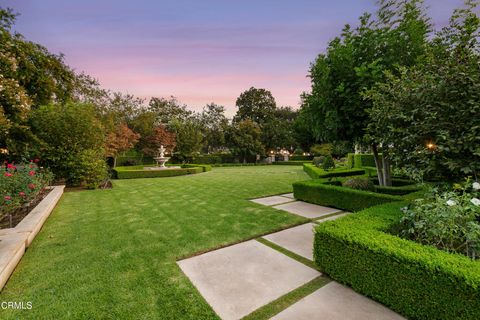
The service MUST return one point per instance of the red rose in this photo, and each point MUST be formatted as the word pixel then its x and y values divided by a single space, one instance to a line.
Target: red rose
pixel 22 194
pixel 31 173
pixel 8 174
pixel 10 166
pixel 36 160
pixel 31 186
pixel 7 198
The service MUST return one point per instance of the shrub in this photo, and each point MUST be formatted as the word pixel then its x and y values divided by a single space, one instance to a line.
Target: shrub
pixel 300 158
pixel 341 148
pixel 448 220
pixel 318 161
pixel 420 282
pixel 350 160
pixel 363 160
pixel 289 163
pixel 20 184
pixel 402 190
pixel 317 173
pixel 328 163
pixel 138 171
pixel 205 167
pixel 359 184
pixel 339 197
pixel 90 169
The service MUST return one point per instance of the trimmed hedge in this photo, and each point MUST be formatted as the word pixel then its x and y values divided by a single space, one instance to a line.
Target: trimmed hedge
pixel 318 173
pixel 403 190
pixel 363 160
pixel 301 158
pixel 350 160
pixel 339 197
pixel 135 172
pixel 417 281
pixel 290 163
pixel 205 167
pixel 239 164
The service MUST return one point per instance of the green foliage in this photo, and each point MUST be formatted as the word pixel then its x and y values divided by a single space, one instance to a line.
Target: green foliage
pixel 317 173
pixel 328 163
pixel 429 114
pixel 245 140
pixel 340 149
pixel 350 160
pixel 363 160
pixel 419 282
pixel 300 158
pixel 318 161
pixel 215 124
pixel 324 149
pixel 339 197
pixel 204 167
pixel 290 163
pixel 66 134
pixel 89 169
pixel 359 184
pixel 258 105
pixel 449 221
pixel 138 172
pixel 400 191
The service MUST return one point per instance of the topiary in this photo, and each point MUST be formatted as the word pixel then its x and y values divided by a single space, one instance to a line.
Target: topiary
pixel 328 163
pixel 359 184
pixel 318 161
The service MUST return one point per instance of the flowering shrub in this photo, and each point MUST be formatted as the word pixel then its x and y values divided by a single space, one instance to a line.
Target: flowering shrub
pixel 448 220
pixel 20 184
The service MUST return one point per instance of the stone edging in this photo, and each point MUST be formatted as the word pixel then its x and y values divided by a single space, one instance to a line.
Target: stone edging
pixel 14 241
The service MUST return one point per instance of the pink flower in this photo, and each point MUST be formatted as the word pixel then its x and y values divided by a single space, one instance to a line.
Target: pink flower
pixel 31 186
pixel 7 174
pixel 7 198
pixel 11 166
pixel 22 194
pixel 31 173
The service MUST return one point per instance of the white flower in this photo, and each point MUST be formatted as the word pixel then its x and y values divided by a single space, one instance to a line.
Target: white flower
pixel 451 203
pixel 475 201
pixel 476 186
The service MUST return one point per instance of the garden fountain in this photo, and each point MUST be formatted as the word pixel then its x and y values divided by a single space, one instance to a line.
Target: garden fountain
pixel 161 160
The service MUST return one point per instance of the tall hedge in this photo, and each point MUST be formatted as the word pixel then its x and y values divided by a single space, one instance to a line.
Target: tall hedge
pixel 418 281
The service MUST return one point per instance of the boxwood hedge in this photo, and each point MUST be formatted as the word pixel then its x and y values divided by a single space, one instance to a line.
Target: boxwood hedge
pixel 418 281
pixel 135 172
pixel 317 173
pixel 339 197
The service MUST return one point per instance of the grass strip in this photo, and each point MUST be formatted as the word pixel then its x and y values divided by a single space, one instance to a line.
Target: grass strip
pixel 276 306
pixel 288 253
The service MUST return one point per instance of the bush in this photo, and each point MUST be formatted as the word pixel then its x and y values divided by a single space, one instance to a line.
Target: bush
pixel 339 197
pixel 207 159
pixel 328 163
pixel 363 160
pixel 402 190
pixel 341 148
pixel 289 163
pixel 317 173
pixel 420 282
pixel 300 158
pixel 350 160
pixel 20 184
pixel 318 161
pixel 359 184
pixel 448 220
pixel 324 149
pixel 137 172
pixel 205 167
pixel 90 169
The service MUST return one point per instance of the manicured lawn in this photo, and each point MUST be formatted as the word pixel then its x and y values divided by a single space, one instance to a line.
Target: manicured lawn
pixel 111 254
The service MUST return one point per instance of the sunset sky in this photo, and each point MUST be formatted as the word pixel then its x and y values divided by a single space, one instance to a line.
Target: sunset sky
pixel 199 51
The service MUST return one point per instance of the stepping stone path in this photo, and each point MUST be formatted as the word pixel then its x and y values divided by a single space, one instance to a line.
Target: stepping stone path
pixel 241 278
pixel 335 301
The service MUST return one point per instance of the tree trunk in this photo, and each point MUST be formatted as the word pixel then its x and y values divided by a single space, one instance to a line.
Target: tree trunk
pixel 387 177
pixel 114 161
pixel 378 164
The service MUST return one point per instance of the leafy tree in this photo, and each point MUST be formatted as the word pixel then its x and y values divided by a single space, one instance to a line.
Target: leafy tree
pixel 168 110
pixel 122 139
pixel 159 136
pixel 245 139
pixel 189 136
pixel 428 115
pixel 278 132
pixel 214 123
pixel 255 104
pixel 64 132
pixel 357 60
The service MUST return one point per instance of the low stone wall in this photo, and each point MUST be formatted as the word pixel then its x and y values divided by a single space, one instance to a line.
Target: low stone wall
pixel 14 241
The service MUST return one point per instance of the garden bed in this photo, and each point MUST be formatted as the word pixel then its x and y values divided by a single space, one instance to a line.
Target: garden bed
pixel 14 241
pixel 418 281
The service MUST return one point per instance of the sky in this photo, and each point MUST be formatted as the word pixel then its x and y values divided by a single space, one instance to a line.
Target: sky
pixel 199 51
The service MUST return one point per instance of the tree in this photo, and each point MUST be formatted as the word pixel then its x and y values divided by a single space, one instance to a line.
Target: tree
pixel 189 136
pixel 428 115
pixel 64 133
pixel 355 62
pixel 168 110
pixel 278 132
pixel 122 139
pixel 160 136
pixel 255 104
pixel 214 125
pixel 244 139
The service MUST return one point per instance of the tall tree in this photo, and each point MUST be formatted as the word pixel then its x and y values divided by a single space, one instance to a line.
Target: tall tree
pixel 122 139
pixel 255 104
pixel 245 139
pixel 214 123
pixel 160 136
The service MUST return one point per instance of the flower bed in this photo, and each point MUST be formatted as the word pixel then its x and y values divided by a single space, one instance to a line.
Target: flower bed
pixel 22 186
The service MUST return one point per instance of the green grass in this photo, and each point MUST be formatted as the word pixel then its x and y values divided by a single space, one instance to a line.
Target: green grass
pixel 277 306
pixel 111 254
